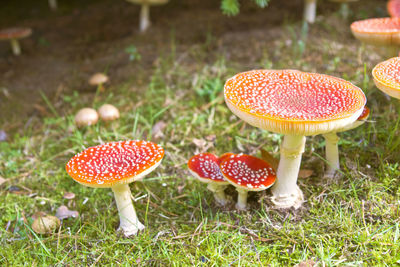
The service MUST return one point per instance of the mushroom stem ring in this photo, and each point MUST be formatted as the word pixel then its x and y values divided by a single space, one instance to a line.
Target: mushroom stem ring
pixel 285 192
pixel 129 223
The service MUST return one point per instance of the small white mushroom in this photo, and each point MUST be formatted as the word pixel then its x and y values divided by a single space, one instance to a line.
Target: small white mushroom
pixel 86 117
pixel 108 112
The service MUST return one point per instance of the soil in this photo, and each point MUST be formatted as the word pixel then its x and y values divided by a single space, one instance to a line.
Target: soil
pixel 85 37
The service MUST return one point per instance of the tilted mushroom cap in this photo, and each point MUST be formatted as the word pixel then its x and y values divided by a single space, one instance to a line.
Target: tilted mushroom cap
pixel 293 102
pixel 378 31
pixel 393 7
pixel 205 167
pixel 248 172
pixel 98 78
pixel 387 76
pixel 115 163
pixel 149 2
pixel 15 33
pixel 363 117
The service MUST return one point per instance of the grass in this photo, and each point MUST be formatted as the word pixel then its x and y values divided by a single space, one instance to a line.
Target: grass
pixel 352 221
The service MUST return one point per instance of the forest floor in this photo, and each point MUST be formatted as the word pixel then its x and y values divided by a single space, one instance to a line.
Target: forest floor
pixel 167 84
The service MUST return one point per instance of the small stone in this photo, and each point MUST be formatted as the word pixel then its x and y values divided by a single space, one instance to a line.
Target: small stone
pixel 46 225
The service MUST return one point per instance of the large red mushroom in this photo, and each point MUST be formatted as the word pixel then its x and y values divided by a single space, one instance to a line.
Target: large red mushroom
pixel 296 104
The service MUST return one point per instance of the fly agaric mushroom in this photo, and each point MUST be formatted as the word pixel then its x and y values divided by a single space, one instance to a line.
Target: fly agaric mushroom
pixel 387 77
pixel 247 173
pixel 378 32
pixel 393 8
pixel 13 34
pixel 86 117
pixel 205 167
pixel 108 112
pixel 310 10
pixel 331 144
pixel 145 11
pixel 115 165
pixel 296 104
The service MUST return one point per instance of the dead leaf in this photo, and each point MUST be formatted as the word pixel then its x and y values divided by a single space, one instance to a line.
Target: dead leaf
pixel 2 180
pixel 265 155
pixel 157 129
pixel 180 188
pixel 211 138
pixel 42 110
pixel 305 173
pixel 63 213
pixel 307 263
pixel 202 145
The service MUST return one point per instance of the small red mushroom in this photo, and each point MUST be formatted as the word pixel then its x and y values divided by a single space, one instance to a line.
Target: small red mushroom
pixel 115 165
pixel 205 167
pixel 247 173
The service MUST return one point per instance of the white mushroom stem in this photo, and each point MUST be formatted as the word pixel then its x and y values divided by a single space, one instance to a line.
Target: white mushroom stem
pixel 310 10
pixel 145 17
pixel 242 198
pixel 285 192
pixel 15 47
pixel 129 222
pixel 53 4
pixel 332 153
pixel 219 193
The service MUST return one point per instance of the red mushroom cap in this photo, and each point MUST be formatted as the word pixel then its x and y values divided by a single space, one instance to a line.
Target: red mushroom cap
pixel 393 7
pixel 293 102
pixel 364 115
pixel 205 167
pixel 115 163
pixel 224 156
pixel 387 76
pixel 377 31
pixel 15 33
pixel 248 172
